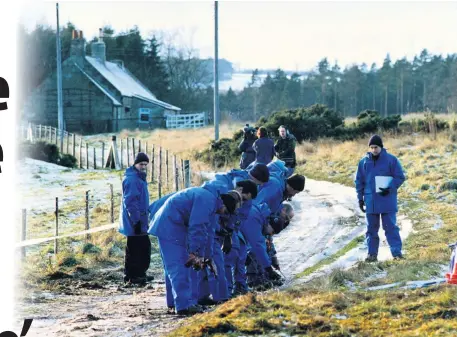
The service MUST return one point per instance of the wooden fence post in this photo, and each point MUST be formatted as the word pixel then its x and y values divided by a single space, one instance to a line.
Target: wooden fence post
pixel 187 173
pixel 87 156
pixel 95 159
pixel 56 246
pixel 160 173
pixel 166 167
pixel 183 174
pixel 122 153
pixel 80 152
pixel 128 152
pixel 133 149
pixel 74 144
pixel 152 164
pixel 139 145
pixel 68 142
pixel 103 154
pixel 176 173
pixel 87 227
pixel 39 131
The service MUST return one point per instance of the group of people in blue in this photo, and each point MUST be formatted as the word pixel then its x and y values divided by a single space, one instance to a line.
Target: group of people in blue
pixel 216 240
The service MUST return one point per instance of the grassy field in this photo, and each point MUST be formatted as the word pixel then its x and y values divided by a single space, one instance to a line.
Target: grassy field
pixel 339 304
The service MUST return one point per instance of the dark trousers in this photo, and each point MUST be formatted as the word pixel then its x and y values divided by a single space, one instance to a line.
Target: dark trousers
pixel 137 256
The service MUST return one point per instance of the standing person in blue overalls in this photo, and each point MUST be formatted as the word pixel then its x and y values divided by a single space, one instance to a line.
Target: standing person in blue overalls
pixel 264 147
pixel 133 222
pixel 382 204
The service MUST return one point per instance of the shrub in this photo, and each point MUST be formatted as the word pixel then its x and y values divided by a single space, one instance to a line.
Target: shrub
pixel 47 152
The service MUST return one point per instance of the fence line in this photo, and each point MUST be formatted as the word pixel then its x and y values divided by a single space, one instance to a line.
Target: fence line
pixel 87 226
pixel 88 157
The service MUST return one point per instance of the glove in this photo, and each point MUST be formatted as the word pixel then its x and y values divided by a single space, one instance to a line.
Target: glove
pixel 222 232
pixel 362 205
pixel 275 263
pixel 227 245
pixel 384 191
pixel 137 228
pixel 194 261
pixel 268 243
pixel 272 275
pixel 212 266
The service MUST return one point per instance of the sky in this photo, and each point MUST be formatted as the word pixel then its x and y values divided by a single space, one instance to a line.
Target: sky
pixel 260 34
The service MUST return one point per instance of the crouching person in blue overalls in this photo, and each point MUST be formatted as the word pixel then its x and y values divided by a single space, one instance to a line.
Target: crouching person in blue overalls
pixel 222 246
pixel 380 202
pixel 133 222
pixel 252 231
pixel 182 227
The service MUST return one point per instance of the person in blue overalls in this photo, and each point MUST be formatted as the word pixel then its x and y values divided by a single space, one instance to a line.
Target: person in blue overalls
pixel 380 202
pixel 133 222
pixel 182 225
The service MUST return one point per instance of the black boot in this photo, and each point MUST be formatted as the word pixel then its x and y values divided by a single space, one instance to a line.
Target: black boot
pixel 371 258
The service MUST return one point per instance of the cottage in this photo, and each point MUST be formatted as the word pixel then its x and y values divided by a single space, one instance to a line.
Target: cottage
pixel 98 95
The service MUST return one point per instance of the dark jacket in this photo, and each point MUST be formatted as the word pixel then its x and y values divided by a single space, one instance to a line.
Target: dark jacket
pixel 285 150
pixel 248 153
pixel 264 149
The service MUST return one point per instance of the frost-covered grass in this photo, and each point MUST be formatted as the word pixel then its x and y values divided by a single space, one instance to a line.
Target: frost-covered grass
pixel 337 304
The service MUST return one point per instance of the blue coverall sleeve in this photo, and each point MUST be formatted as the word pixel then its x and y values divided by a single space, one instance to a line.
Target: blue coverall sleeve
pixel 360 181
pixel 271 194
pixel 252 231
pixel 398 175
pixel 131 198
pixel 200 223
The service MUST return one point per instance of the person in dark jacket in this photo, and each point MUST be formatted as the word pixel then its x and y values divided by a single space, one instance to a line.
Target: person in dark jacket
pixel 380 197
pixel 285 149
pixel 263 147
pixel 133 222
pixel 248 153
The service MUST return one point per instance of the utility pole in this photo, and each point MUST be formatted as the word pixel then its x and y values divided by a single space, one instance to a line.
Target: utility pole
pixel 59 81
pixel 216 75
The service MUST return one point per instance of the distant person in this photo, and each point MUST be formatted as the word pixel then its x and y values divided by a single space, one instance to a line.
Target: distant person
pixel 133 222
pixel 248 153
pixel 285 149
pixel 380 201
pixel 263 147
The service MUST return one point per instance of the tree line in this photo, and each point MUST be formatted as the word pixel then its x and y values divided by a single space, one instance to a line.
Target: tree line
pixel 427 82
pixel 175 73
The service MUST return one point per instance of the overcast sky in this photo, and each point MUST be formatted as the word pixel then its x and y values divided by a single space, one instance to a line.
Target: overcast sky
pixel 289 35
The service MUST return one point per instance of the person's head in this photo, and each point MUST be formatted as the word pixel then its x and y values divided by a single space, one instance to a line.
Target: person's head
pixel 247 188
pixel 278 223
pixel 282 131
pixel 295 184
pixel 375 144
pixel 259 174
pixel 229 202
pixel 287 213
pixel 141 161
pixel 261 132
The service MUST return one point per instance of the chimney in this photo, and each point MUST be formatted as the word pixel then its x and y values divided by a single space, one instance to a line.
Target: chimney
pixel 78 47
pixel 99 48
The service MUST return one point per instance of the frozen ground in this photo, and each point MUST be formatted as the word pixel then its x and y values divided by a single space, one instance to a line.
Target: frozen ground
pixel 327 219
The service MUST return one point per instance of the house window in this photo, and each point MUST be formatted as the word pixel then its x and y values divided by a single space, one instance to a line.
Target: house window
pixel 127 109
pixel 144 115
